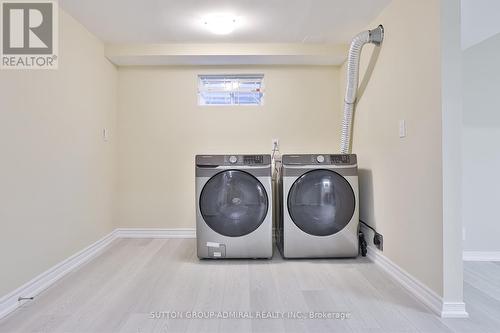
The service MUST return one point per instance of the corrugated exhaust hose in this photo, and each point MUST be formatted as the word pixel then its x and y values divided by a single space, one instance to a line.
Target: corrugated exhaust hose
pixel 375 36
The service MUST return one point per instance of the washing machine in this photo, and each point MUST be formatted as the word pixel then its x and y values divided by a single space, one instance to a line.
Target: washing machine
pixel 234 206
pixel 319 215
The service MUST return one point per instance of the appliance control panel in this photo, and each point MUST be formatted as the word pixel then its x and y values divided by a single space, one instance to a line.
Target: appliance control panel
pixel 320 159
pixel 247 160
pixel 232 160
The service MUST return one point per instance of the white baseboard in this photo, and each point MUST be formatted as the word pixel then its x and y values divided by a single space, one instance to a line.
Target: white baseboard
pixel 420 291
pixel 10 302
pixel 454 310
pixel 155 233
pixel 481 255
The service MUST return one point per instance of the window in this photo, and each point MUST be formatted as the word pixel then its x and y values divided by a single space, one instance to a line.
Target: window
pixel 230 89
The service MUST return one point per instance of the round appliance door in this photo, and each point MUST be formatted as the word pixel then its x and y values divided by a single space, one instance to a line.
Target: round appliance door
pixel 321 202
pixel 233 203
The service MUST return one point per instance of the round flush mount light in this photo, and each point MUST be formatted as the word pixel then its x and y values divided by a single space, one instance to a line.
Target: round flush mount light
pixel 220 24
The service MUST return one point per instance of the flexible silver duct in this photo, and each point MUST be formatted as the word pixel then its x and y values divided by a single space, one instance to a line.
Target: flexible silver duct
pixel 376 37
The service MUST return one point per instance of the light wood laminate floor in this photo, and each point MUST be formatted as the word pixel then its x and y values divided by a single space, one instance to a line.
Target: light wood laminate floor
pixel 117 291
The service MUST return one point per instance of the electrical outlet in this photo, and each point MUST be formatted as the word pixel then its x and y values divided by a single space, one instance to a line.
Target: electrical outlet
pixel 276 144
pixel 378 240
pixel 105 134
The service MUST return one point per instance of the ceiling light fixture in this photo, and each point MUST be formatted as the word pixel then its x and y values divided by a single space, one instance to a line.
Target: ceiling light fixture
pixel 220 24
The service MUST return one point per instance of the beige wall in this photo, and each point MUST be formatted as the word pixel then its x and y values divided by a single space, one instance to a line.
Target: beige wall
pixel 401 179
pixel 56 172
pixel 161 129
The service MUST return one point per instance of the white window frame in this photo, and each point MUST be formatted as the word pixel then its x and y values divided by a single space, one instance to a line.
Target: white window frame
pixel 231 78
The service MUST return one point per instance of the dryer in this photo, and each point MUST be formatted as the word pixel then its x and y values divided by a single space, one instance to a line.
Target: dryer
pixel 234 206
pixel 319 206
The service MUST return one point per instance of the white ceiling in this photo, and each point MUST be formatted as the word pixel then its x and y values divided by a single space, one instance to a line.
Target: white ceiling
pixel 480 21
pixel 263 21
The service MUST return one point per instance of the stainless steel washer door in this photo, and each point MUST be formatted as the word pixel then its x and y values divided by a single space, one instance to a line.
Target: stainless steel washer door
pixel 233 203
pixel 321 202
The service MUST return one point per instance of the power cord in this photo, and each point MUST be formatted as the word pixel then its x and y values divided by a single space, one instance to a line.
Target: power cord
pixel 378 239
pixel 363 247
pixel 367 225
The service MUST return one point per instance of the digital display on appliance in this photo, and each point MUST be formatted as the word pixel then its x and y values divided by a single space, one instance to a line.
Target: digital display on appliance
pixel 340 159
pixel 253 159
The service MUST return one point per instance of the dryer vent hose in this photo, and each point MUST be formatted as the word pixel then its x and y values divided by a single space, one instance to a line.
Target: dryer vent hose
pixel 375 36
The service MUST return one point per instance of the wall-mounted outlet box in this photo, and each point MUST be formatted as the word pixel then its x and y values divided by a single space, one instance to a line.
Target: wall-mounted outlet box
pixel 378 240
pixel 276 144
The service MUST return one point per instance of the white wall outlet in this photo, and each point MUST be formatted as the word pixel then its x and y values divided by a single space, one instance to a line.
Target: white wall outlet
pixel 276 144
pixel 402 128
